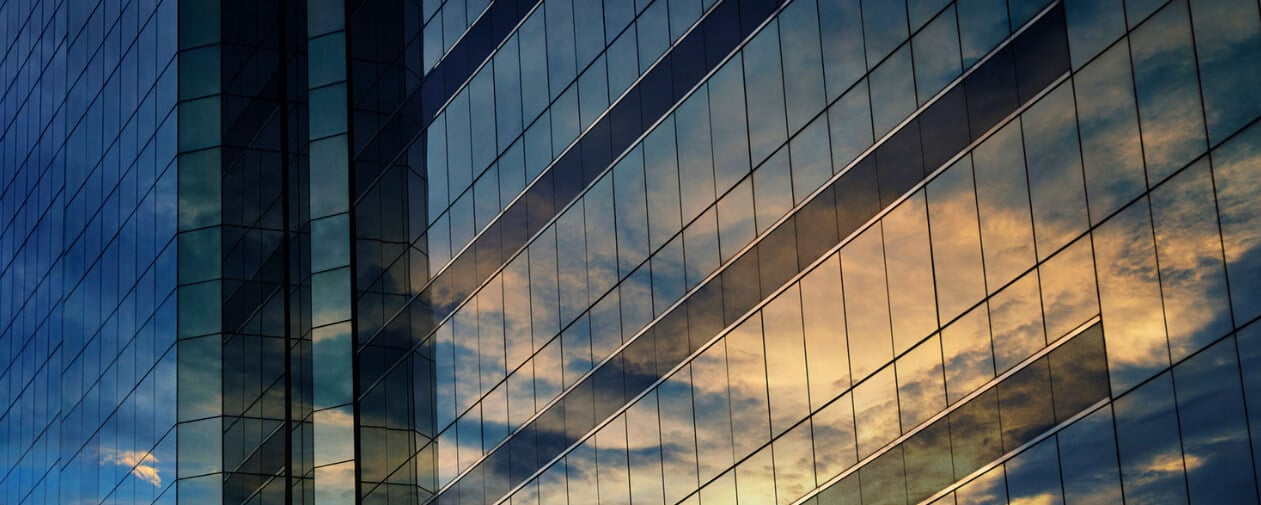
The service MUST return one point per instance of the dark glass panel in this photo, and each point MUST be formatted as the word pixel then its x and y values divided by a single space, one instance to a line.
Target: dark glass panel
pixel 1214 427
pixel 1152 467
pixel 1079 373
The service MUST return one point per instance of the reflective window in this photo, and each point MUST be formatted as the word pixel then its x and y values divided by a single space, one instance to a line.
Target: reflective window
pixel 866 303
pixel 1003 202
pixel 1129 294
pixel 956 239
pixel 1111 150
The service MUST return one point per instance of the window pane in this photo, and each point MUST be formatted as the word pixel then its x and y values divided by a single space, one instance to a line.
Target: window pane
pixel 1016 320
pixel 969 357
pixel 910 268
pixel 764 79
pixel 1188 251
pixel 1234 173
pixel 866 303
pixel 956 239
pixel 785 360
pixel 1129 295
pixel 1054 163
pixel 824 316
pixel 1168 91
pixel 921 385
pixel 1149 444
pixel 750 413
pixel 1088 460
pixel 1003 200
pixel 1228 49
pixel 876 411
pixel 1214 427
pixel 1111 150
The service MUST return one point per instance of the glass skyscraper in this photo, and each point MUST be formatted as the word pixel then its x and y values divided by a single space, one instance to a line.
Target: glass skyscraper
pixel 535 252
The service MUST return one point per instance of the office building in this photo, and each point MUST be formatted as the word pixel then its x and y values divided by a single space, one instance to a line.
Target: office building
pixel 630 251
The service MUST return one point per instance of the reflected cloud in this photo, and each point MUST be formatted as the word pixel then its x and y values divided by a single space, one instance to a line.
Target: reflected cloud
pixel 142 464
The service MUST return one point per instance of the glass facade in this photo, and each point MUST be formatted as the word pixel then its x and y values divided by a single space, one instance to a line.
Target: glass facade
pixel 635 252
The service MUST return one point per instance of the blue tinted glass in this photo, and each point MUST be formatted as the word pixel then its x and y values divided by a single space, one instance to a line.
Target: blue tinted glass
pixel 764 79
pixel 982 25
pixel 1214 427
pixel 1152 468
pixel 1228 50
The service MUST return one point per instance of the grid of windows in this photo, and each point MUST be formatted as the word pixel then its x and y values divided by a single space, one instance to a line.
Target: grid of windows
pixel 87 257
pixel 650 251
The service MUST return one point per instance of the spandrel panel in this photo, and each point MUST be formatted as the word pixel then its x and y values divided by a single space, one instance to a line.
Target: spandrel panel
pixel 1107 115
pixel 823 316
pixel 1214 428
pixel 910 272
pixel 876 411
pixel 975 433
pixel 1079 373
pixel 866 303
pixel 1002 196
pixel 921 383
pixel 713 411
pixel 968 353
pixel 1024 404
pixel 1188 251
pixel 1053 161
pixel 1129 295
pixel 835 447
pixel 1168 91
pixel 1234 169
pixel 927 459
pixel 746 362
pixel 1088 460
pixel 1152 468
pixel 956 239
pixel 785 360
pixel 883 481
